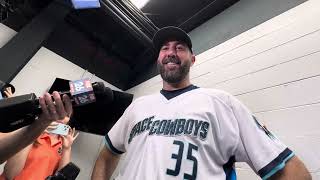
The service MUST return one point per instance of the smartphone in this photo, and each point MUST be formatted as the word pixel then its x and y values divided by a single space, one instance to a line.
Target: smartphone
pixel 61 129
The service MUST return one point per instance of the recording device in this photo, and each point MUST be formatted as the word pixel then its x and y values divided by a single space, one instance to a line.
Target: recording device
pixel 68 172
pixel 19 111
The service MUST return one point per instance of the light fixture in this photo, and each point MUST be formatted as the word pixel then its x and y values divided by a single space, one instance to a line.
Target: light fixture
pixel 140 3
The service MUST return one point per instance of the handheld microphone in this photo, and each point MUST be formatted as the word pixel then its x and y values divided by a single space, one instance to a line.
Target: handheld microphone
pixel 68 172
pixel 82 92
pixel 20 111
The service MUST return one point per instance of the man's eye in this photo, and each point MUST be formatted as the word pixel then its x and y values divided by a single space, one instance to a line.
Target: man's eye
pixel 164 48
pixel 180 47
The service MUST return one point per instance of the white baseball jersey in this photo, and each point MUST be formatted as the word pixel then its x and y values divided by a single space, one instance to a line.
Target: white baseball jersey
pixel 194 133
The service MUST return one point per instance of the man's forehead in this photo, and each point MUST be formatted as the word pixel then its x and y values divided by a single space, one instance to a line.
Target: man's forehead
pixel 174 41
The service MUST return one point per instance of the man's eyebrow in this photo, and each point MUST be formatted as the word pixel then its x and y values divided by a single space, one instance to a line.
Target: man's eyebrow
pixel 165 44
pixel 182 43
pixel 178 43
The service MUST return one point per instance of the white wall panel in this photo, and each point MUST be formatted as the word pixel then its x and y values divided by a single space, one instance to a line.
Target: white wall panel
pixel 293 94
pixel 294 70
pixel 299 129
pixel 246 174
pixel 304 11
pixel 307 45
pixel 147 87
pixel 279 38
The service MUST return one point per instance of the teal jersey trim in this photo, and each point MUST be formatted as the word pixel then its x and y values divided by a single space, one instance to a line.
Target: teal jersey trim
pixel 278 167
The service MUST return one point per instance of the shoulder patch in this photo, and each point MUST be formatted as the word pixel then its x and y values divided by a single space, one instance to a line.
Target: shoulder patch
pixel 264 128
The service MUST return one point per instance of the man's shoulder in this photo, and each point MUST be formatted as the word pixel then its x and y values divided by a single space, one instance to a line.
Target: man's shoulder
pixel 216 93
pixel 146 98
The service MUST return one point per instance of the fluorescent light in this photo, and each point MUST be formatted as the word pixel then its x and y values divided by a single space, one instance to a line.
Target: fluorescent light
pixel 139 3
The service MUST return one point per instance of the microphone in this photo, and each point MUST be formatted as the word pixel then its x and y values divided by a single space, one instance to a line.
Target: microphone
pixel 68 172
pixel 82 92
pixel 20 111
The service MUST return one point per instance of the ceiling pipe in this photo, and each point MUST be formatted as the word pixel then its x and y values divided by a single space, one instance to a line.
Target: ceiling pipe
pixel 119 16
pixel 146 21
pixel 134 17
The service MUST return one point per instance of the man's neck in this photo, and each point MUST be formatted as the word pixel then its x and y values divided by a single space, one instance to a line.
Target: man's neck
pixel 175 86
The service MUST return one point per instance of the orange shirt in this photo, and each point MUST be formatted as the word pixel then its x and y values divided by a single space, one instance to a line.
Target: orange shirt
pixel 43 159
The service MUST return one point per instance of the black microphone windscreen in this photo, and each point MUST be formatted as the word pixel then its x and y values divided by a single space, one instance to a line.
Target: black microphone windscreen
pixel 70 171
pixel 103 94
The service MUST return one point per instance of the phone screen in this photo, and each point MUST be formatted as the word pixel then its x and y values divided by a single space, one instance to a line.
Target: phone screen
pixel 61 129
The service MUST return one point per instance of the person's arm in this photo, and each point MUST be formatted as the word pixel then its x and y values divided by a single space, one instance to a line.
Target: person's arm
pixel 13 142
pixel 115 145
pixel 262 150
pixel 105 165
pixel 66 148
pixel 16 163
pixel 294 170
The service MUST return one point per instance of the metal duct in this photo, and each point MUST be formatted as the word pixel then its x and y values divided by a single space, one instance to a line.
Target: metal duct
pixel 122 15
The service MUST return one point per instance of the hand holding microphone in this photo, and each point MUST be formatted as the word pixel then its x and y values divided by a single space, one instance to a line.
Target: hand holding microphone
pixel 54 108
pixel 20 111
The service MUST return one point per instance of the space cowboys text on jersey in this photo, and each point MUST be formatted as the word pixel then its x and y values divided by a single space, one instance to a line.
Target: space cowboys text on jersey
pixel 171 127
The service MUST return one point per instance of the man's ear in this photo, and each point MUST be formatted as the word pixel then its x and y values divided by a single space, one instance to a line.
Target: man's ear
pixel 193 59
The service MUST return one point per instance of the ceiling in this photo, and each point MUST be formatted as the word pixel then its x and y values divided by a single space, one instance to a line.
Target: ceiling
pixel 101 42
pixel 185 14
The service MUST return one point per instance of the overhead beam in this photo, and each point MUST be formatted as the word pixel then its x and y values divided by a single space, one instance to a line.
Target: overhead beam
pixel 21 48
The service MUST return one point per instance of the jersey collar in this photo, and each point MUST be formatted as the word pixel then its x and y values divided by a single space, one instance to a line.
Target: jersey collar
pixel 172 94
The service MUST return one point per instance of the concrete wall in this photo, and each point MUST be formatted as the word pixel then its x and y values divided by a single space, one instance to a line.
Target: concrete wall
pixel 37 76
pixel 237 19
pixel 273 68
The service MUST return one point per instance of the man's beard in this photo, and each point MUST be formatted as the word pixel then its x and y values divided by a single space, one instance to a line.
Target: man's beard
pixel 174 76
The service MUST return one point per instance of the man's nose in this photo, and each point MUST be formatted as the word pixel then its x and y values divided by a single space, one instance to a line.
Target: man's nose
pixel 172 52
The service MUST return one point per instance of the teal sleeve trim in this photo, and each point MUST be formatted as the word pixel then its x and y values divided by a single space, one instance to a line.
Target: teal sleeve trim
pixel 278 167
pixel 110 146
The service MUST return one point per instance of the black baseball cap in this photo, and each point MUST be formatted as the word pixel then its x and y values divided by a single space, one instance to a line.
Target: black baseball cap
pixel 170 32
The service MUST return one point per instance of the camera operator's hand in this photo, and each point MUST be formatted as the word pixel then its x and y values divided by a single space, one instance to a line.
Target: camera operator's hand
pixel 55 109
